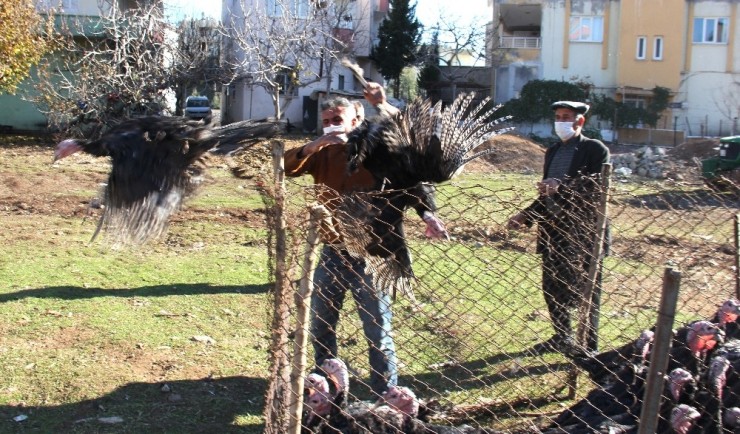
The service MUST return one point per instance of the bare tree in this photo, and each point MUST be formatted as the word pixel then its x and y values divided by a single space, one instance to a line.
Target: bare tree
pixel 728 104
pixel 196 63
pixel 283 45
pixel 125 68
pixel 455 47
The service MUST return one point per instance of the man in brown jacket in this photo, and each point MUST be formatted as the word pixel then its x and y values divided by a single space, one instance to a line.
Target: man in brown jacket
pixel 325 159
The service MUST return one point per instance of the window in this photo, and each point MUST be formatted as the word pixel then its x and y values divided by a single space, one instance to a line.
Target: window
pixel 67 6
pixel 658 48
pixel 711 30
pixel 635 101
pixel 340 82
pixel 586 29
pixel 284 80
pixel 278 8
pixel 641 47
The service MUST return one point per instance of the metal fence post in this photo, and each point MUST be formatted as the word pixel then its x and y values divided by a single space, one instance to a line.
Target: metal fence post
pixel 659 356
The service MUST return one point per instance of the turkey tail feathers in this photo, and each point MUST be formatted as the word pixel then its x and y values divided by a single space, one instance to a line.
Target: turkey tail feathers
pixel 356 71
pixel 426 142
pixel 240 136
pixel 464 129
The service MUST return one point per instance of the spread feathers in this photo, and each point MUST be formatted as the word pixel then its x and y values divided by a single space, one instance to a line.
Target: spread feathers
pixel 406 152
pixel 156 163
pixel 424 142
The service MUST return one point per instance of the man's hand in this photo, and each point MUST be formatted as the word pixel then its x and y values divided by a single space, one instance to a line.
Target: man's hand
pixel 548 187
pixel 435 227
pixel 375 95
pixel 516 222
pixel 333 138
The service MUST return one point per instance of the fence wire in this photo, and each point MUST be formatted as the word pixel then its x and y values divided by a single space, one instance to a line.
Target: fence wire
pixel 466 340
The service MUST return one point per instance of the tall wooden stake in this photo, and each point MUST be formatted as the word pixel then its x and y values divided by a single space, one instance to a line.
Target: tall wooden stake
pixel 303 308
pixel 660 353
pixel 586 308
pixel 278 389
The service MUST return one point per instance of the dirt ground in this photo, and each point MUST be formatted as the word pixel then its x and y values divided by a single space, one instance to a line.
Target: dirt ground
pixel 511 153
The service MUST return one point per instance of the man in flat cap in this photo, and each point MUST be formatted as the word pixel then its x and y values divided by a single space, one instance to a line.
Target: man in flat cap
pixel 565 212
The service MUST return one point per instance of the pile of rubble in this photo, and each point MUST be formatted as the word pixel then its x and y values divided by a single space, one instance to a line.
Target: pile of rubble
pixel 647 162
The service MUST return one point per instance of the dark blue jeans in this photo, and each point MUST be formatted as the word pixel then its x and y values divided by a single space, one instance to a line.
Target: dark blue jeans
pixel 336 273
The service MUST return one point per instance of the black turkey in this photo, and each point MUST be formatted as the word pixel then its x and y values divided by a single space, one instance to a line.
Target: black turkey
pixel 425 142
pixel 157 162
pixel 407 153
pixel 695 398
pixel 372 227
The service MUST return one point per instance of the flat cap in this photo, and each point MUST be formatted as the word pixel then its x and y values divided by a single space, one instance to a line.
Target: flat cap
pixel 577 107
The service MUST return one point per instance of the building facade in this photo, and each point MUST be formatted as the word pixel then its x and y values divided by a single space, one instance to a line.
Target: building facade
pixel 306 80
pixel 78 18
pixel 625 48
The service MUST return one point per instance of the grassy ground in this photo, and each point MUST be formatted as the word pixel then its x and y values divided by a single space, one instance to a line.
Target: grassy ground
pixel 173 336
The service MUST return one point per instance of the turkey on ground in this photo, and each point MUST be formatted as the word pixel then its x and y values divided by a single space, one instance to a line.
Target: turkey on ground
pixel 726 318
pixel 395 412
pixel 157 162
pixel 604 366
pixel 617 403
pixel 683 418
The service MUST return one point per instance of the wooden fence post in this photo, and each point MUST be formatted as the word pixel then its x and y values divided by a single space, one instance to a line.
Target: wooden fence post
pixel 586 308
pixel 303 308
pixel 660 353
pixel 737 256
pixel 278 389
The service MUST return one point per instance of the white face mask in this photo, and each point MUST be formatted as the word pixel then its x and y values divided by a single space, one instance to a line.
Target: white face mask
pixel 564 130
pixel 333 128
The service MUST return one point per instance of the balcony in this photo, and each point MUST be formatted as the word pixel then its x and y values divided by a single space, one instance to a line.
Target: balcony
pixel 381 9
pixel 520 42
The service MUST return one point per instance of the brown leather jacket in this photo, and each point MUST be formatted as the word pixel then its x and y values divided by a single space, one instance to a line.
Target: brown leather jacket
pixel 328 167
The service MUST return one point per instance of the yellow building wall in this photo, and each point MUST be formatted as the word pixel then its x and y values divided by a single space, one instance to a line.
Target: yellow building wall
pixel 651 18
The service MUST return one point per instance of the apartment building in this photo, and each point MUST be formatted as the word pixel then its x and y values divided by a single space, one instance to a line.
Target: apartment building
pixel 625 48
pixel 81 19
pixel 355 24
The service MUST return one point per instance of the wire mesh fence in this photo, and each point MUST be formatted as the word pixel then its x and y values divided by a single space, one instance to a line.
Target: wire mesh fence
pixel 467 340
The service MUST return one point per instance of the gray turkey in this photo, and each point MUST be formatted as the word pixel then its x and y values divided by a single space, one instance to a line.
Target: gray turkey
pixel 394 413
pixel 157 162
pixel 407 153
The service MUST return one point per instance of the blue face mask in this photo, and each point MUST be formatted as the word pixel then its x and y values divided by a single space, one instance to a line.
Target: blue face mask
pixel 564 130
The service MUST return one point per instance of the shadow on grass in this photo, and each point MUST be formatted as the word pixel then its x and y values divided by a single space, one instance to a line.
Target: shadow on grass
pixel 472 374
pixel 191 406
pixel 78 293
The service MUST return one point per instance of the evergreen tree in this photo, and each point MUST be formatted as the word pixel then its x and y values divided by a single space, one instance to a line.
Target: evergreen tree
pixel 429 73
pixel 398 36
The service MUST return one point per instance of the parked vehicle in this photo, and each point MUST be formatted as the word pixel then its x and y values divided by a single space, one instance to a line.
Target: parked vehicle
pixel 197 107
pixel 723 170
